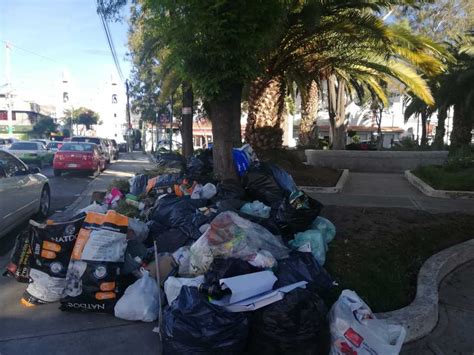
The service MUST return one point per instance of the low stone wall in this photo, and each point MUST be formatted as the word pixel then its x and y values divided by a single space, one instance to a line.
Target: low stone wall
pixel 374 161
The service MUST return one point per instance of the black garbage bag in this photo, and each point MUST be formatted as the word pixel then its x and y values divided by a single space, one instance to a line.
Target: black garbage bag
pixel 295 325
pixel 165 183
pixel 171 160
pixel 222 268
pixel 172 211
pixel 167 240
pixel 303 267
pixel 138 184
pixel 19 265
pixel 200 167
pixel 293 219
pixel 192 325
pixel 229 189
pixel 260 185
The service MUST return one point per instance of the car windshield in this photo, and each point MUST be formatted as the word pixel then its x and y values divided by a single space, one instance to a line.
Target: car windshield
pixel 24 146
pixel 86 139
pixel 71 147
pixel 55 145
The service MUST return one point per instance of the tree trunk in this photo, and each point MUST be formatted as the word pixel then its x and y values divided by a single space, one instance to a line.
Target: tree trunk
pixel 337 112
pixel 266 106
pixel 440 129
pixel 187 120
pixel 236 114
pixel 379 131
pixel 424 138
pixel 222 118
pixel 462 125
pixel 309 110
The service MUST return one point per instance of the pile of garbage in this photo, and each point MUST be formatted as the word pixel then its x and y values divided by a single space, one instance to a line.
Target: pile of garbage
pixel 223 266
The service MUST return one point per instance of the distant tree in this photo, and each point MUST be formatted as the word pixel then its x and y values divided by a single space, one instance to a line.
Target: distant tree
pixel 86 117
pixel 44 127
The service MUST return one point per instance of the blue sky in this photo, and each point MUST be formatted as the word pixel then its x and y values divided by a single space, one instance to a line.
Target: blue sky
pixel 69 34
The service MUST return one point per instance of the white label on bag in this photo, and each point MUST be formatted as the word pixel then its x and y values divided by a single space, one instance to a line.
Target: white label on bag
pixel 105 245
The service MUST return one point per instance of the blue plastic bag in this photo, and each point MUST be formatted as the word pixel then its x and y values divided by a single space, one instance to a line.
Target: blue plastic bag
pixel 241 161
pixel 325 226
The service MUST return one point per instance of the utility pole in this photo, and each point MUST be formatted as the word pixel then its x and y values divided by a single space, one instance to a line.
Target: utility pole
pixel 8 96
pixel 129 124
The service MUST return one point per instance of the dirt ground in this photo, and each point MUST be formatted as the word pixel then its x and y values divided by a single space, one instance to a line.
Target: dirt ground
pixel 378 251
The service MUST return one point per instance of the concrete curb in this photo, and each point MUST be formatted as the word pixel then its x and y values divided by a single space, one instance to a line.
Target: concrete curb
pixel 429 191
pixel 421 316
pixel 328 190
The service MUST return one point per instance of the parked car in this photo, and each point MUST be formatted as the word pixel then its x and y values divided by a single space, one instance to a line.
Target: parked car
pixel 24 192
pixel 116 148
pixel 44 141
pixel 6 143
pixel 77 156
pixel 54 146
pixel 103 149
pixel 32 153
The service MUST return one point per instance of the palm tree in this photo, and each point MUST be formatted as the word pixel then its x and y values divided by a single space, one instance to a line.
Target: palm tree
pixel 347 46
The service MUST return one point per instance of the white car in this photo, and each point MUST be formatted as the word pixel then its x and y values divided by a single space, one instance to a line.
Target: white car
pixel 24 192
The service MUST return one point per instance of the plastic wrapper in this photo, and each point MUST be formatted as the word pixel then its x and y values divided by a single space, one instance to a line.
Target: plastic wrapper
pixel 51 246
pixel 140 301
pixel 256 208
pixel 182 256
pixel 230 235
pixel 241 161
pixel 113 197
pixel 355 329
pixel 294 325
pixel 93 276
pixel 137 230
pixel 193 325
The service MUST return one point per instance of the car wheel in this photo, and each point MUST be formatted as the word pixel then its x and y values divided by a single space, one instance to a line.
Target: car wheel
pixel 57 172
pixel 45 201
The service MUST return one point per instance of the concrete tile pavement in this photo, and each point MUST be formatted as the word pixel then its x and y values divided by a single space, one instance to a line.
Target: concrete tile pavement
pixel 453 334
pixel 47 330
pixel 390 190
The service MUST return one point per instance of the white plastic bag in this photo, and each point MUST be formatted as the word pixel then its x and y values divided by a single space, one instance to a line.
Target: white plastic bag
pixel 354 329
pixel 140 301
pixel 204 192
pixel 173 285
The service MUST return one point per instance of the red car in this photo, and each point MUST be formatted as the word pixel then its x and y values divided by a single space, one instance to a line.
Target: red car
pixel 76 156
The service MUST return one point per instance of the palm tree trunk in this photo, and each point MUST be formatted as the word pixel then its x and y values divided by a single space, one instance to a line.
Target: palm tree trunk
pixel 309 110
pixel 187 120
pixel 266 106
pixel 462 126
pixel 337 112
pixel 440 129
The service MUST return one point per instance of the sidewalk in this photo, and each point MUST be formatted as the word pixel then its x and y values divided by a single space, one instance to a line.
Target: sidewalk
pixel 390 190
pixel 453 334
pixel 47 330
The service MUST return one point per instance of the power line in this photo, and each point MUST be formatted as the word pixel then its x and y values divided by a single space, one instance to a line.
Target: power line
pixel 30 52
pixel 111 45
